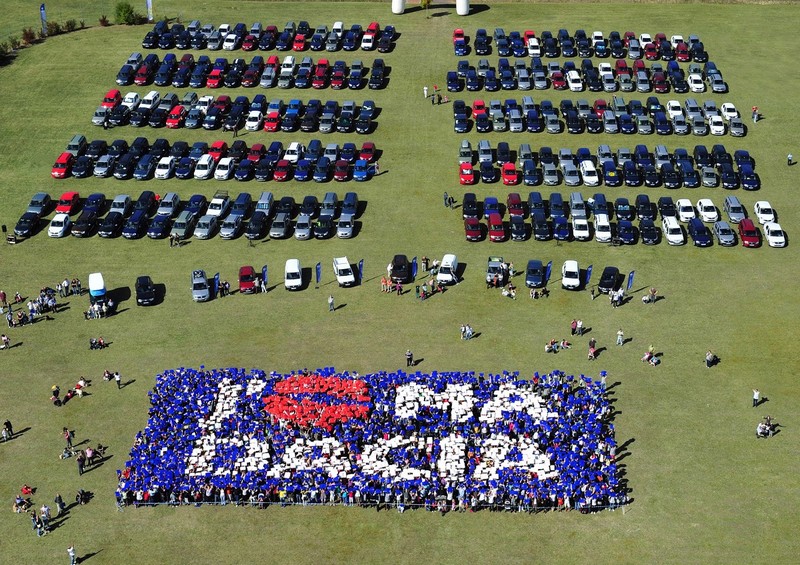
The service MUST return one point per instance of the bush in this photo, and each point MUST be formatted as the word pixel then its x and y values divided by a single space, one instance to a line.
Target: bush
pixel 13 41
pixel 28 35
pixel 125 14
pixel 83 24
pixel 54 28
pixel 71 25
pixel 103 21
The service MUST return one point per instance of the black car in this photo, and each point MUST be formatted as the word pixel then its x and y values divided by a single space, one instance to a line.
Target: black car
pixel 139 118
pixel 535 274
pixel 83 167
pixel 400 269
pixel 145 290
pixel 469 205
pixel 111 225
pixel 119 116
pixel 185 168
pixel 324 227
pixel 623 209
pixel 608 280
pixel 648 232
pixel 27 225
pixel 123 169
pixel 159 227
pixel 118 148
pixel 263 169
pixel 160 148
pixel 257 226
pixel 85 225
pixel 158 118
pixel 146 202
pixel 125 75
pixel 666 207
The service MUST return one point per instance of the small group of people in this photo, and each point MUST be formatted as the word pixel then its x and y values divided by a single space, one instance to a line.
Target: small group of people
pixel 576 327
pixel 7 431
pixel 97 343
pixel 651 357
pixel 68 287
pixel 510 291
pixel 466 331
pixel 100 309
pixel 536 294
pixel 616 297
pixel 115 376
pixel 766 428
pixel 651 296
pixel 711 359
pixel 224 289
pixel 554 345
pixel 174 240
pixel 430 288
pixel 592 355
pixel 77 390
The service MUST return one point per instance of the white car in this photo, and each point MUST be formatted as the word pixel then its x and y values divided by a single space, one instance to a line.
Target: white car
pixel 672 231
pixel 707 211
pixel 589 173
pixel 696 83
pixel 448 270
pixel 675 39
pixel 764 212
pixel 368 42
pixel 570 275
pixel 205 102
pixel 343 271
pixel 580 229
pixel 685 209
pixel 674 108
pixel 131 100
pixel 224 169
pixel 60 225
pixel 292 275
pixel 729 111
pixel 597 37
pixel 774 234
pixel 645 38
pixel 165 167
pixel 716 125
pixel 574 81
pixel 602 228
pixel 255 120
pixel 205 167
pixel 295 152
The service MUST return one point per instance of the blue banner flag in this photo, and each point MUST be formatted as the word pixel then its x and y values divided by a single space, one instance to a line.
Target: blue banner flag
pixel 264 275
pixel 588 276
pixel 43 14
pixel 547 272
pixel 319 272
pixel 361 270
pixel 216 284
pixel 630 279
pixel 414 268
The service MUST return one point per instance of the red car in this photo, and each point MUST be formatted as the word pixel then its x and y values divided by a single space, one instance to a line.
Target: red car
pixel 367 151
pixel 63 165
pixel 250 43
pixel 458 33
pixel 273 122
pixel 660 84
pixel 68 203
pixel 497 229
pixel 514 205
pixel 627 36
pixel 337 80
pixel 659 38
pixel 748 233
pixel 621 67
pixel 509 174
pixel 176 117
pixel 558 80
pixel 257 151
pixel 473 229
pixel 283 170
pixel 373 28
pixel 478 108
pixel 223 103
pixel 600 106
pixel 299 42
pixel 639 65
pixel 218 150
pixel 247 280
pixel 529 33
pixel 682 53
pixel 215 78
pixel 320 74
pixel 466 173
pixel 112 99
pixel 651 52
pixel 273 61
pixel 341 170
pixel 143 76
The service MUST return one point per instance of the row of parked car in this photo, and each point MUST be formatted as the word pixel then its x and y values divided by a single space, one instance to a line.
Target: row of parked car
pixel 660 167
pixel 211 113
pixel 566 221
pixel 295 37
pixel 616 116
pixel 158 217
pixel 569 76
pixel 163 160
pixel 580 44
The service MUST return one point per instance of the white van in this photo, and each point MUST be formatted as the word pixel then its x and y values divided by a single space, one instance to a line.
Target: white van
pixel 448 270
pixel 602 228
pixel 97 287
pixel 574 81
pixel 150 101
pixel 292 275
pixel 343 271
pixel 570 275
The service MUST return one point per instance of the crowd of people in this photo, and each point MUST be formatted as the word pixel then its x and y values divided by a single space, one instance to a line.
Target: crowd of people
pixel 444 441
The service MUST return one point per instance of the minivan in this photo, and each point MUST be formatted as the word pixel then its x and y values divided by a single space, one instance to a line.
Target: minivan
pixel 577 206
pixel 292 275
pixel 485 152
pixel 642 82
pixel 168 205
pixel 329 204
pixel 77 145
pixel 350 204
pixel 734 209
pixel 448 270
pixel 265 203
pixel 150 101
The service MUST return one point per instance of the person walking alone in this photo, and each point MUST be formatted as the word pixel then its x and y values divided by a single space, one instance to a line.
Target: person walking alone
pixel 330 303
pixel 756 397
pixel 424 91
pixel 71 553
pixel 620 337
pixel 409 358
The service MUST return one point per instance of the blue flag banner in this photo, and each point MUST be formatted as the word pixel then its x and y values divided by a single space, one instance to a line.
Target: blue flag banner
pixel 588 276
pixel 361 270
pixel 414 268
pixel 547 272
pixel 216 284
pixel 43 14
pixel 264 274
pixel 630 279
pixel 319 272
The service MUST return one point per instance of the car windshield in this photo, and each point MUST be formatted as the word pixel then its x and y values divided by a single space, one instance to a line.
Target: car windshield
pixel 199 286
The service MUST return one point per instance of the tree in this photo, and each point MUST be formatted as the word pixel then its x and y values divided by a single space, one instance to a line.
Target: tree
pixel 125 14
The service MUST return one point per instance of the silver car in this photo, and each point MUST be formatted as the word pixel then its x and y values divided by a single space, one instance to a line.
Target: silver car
pixel 267 78
pixel 699 126
pixel 644 125
pixel 280 226
pixel 231 226
pixel 571 175
pixel 550 174
pixel 183 226
pixel 725 235
pixel 201 291
pixel 206 227
pixel 709 177
pixel 552 123
pixel 736 127
pixel 344 228
pixel 303 227
pixel 327 123
pixel 679 125
pixel 104 166
pixel 465 152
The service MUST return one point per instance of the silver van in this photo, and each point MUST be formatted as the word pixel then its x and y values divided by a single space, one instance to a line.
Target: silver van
pixel 610 122
pixel 734 209
pixel 499 121
pixel 265 203
pixel 77 145
pixel 515 124
pixel 662 156
pixel 168 205
pixel 642 82
pixel 485 152
pixel 577 206
pixel 619 106
pixel 524 81
pixel 329 204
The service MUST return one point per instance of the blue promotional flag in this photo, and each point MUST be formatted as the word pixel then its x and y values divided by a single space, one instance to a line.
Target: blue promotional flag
pixel 216 284
pixel 630 279
pixel 43 14
pixel 319 272
pixel 547 272
pixel 264 275
pixel 361 270
pixel 588 276
pixel 414 268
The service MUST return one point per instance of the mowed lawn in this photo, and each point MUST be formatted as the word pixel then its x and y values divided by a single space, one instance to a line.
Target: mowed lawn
pixel 704 489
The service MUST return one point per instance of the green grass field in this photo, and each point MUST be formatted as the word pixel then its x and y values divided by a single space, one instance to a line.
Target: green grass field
pixel 704 490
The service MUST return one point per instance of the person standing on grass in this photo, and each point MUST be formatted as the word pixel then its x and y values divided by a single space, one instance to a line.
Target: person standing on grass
pixel 71 553
pixel 424 91
pixel 573 326
pixel 579 327
pixel 446 200
pixel 756 397
pixel 118 380
pixel 377 168
pixel 330 303
pixel 620 337
pixel 789 159
pixel 409 358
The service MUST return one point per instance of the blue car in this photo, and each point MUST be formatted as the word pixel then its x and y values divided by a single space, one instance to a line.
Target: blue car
pixel 488 172
pixel 700 234
pixel 348 152
pixel 185 168
pixel 560 229
pixel 626 232
pixel 453 82
pixel 490 206
pixel 303 170
pixel 197 205
pixel 362 170
pixel 460 48
pixel 611 176
pixel 135 226
pixel 159 227
pixel 322 170
pixel 245 170
pixel 95 202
